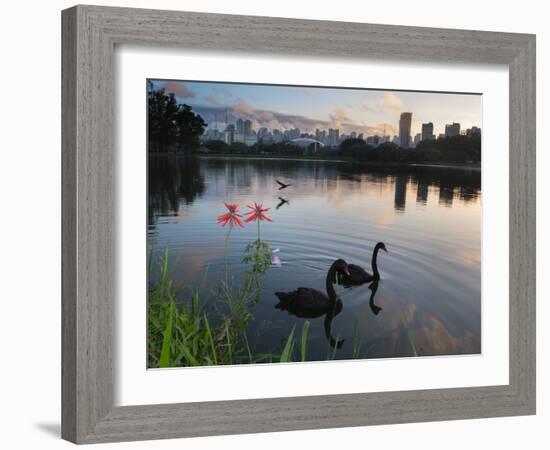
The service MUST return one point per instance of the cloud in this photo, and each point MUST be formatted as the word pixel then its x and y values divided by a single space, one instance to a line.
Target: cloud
pixel 178 89
pixel 212 100
pixel 214 114
pixel 382 129
pixel 387 104
pixel 339 118
pixel 241 107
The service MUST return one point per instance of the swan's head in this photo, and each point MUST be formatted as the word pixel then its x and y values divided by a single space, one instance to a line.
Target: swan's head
pixel 382 246
pixel 341 266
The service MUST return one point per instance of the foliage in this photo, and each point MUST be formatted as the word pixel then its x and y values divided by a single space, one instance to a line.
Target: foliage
pixel 458 149
pixel 451 149
pixel 216 146
pixel 186 334
pixel 258 256
pixel 171 125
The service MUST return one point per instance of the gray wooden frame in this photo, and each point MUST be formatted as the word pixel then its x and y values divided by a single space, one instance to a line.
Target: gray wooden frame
pixel 89 36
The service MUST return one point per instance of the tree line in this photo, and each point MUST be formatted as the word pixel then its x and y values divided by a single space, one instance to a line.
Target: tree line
pixel 456 149
pixel 459 149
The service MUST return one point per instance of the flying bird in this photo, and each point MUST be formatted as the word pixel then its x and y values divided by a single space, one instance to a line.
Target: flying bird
pixel 282 201
pixel 282 185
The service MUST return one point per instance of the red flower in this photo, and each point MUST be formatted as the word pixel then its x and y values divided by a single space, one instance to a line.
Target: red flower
pixel 257 213
pixel 232 217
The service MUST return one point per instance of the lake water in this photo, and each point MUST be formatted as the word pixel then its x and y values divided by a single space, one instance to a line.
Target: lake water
pixel 428 217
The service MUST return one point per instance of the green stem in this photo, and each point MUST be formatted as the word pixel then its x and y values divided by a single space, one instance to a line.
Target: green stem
pixel 225 253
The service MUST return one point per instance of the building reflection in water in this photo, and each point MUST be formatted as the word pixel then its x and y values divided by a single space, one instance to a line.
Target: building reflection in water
pixel 178 180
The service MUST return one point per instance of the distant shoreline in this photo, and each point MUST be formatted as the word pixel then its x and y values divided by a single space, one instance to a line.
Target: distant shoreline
pixel 442 165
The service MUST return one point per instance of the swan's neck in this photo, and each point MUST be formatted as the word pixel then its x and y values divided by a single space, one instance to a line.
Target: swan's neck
pixel 330 284
pixel 374 265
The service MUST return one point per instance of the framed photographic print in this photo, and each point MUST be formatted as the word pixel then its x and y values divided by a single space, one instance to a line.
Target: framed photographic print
pixel 265 230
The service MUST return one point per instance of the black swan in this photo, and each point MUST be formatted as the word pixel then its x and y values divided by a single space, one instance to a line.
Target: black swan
pixel 358 275
pixel 312 303
pixel 282 185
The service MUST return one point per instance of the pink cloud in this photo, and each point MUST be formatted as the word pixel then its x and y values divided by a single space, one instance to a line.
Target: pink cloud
pixel 212 100
pixel 178 89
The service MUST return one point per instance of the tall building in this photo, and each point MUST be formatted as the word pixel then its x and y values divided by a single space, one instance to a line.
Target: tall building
pixel 417 139
pixel 213 135
pixel 428 131
pixel 333 137
pixel 293 133
pixel 321 136
pixel 277 135
pixel 229 134
pixel 262 133
pixel 405 129
pixel 373 140
pixel 452 129
pixel 239 126
pixel 472 131
pixel 246 135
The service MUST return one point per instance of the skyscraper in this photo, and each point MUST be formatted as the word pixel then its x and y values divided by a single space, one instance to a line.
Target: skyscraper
pixel 472 131
pixel 452 129
pixel 405 129
pixel 333 137
pixel 239 126
pixel 247 126
pixel 262 133
pixel 229 134
pixel 427 131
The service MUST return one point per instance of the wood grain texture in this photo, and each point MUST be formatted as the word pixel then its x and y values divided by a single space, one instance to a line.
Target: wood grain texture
pixel 89 36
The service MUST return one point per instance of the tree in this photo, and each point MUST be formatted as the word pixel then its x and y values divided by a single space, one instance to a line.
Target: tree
pixel 170 125
pixel 162 109
pixel 189 128
pixel 216 146
pixel 451 149
pixel 347 146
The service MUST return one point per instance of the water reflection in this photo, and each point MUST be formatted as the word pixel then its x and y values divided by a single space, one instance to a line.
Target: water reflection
pixel 177 180
pixel 429 217
pixel 282 201
pixel 172 181
pixel 401 182
pixel 310 303
pixel 374 308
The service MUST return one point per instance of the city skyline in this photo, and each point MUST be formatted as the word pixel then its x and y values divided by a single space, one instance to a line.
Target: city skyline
pixel 370 112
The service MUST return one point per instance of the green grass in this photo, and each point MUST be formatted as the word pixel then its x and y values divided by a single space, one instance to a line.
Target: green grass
pixel 184 334
pixel 181 334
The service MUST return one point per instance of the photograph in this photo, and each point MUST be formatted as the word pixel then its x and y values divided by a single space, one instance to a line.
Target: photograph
pixel 292 223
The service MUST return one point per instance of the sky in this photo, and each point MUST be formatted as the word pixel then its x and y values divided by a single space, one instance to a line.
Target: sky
pixel 307 108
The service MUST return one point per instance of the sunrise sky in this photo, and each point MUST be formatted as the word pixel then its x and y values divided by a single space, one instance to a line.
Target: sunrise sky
pixel 361 110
